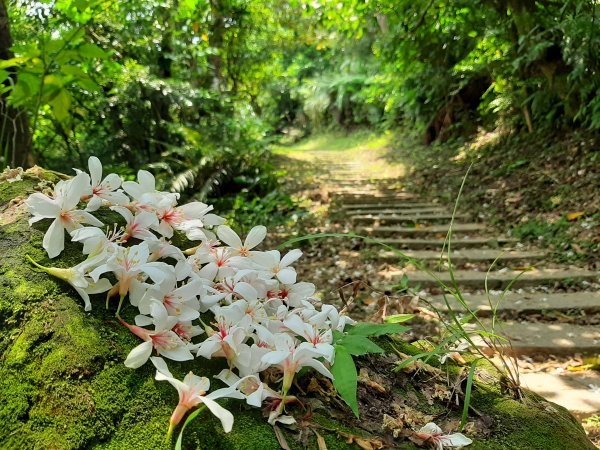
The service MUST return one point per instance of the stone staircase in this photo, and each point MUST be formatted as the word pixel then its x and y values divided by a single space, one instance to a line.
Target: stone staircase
pixel 378 208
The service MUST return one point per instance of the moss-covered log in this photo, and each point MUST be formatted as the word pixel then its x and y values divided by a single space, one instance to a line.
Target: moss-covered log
pixel 63 384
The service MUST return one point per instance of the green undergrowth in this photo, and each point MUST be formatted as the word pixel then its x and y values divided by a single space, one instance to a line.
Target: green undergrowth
pixel 63 384
pixel 556 235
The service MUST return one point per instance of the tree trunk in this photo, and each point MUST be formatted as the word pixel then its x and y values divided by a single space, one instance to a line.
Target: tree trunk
pixel 15 138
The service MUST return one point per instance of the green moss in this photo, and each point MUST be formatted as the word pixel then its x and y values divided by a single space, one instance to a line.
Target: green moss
pixel 532 423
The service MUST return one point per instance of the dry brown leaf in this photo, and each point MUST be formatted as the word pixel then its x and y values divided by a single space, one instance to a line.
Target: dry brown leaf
pixel 320 441
pixel 418 365
pixel 393 425
pixel 364 443
pixel 281 438
pixel 363 377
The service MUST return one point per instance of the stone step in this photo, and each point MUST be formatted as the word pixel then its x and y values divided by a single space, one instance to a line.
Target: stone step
pixel 350 197
pixel 354 180
pixel 515 302
pixel 462 256
pixel 457 243
pixel 399 211
pixel 376 206
pixel 422 230
pixel 570 390
pixel 401 218
pixel 552 338
pixel 503 278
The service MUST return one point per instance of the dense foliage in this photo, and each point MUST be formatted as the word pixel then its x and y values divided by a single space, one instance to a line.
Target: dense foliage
pixel 530 64
pixel 194 90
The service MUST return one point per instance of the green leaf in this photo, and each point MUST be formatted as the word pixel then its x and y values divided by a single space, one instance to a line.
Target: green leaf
pixel 337 335
pixel 345 377
pixel 89 85
pixel 376 329
pixel 4 74
pixel 359 345
pixel 5 63
pixel 74 71
pixel 469 389
pixel 61 104
pixel 190 418
pixel 399 318
pixel 92 51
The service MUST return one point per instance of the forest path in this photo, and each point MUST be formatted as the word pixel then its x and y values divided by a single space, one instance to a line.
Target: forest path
pixel 549 312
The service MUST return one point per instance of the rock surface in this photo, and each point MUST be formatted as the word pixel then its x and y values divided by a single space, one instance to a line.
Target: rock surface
pixel 63 384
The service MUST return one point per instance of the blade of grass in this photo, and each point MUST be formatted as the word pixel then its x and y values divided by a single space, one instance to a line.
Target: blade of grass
pixel 465 412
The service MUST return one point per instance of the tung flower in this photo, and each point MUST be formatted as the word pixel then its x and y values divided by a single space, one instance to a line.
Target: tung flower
pixel 62 208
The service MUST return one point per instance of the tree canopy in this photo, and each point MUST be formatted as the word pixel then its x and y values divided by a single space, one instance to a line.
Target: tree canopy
pixel 194 89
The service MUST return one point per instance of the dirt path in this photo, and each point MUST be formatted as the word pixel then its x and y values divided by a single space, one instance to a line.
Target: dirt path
pixel 549 312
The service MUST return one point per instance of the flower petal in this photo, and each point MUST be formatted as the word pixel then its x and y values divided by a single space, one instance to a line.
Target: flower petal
pixel 42 206
pixel 221 413
pixel 287 275
pixel 290 257
pixel 95 167
pixel 139 355
pixel 255 237
pixel 229 237
pixel 431 428
pixel 456 440
pixel 54 239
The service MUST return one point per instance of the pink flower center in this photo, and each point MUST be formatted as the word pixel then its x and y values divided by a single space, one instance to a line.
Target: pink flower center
pixel 172 217
pixel 164 340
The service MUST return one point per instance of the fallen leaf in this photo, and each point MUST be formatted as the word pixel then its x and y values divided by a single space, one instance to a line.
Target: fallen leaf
pixel 363 378
pixel 571 217
pixel 281 438
pixel 320 441
pixel 364 443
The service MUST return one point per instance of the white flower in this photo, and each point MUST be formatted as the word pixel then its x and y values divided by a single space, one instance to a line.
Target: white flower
pixel 61 208
pixel 127 264
pixel 330 317
pixel 262 316
pixel 163 339
pixel 184 218
pixel 434 434
pixel 218 264
pixel 320 341
pixel 76 278
pixel 192 392
pixel 253 390
pixel 254 238
pixel 294 294
pixel 146 185
pixel 273 265
pixel 227 342
pixel 292 359
pixel 104 190
pixel 181 302
pixel 137 226
pixel 160 249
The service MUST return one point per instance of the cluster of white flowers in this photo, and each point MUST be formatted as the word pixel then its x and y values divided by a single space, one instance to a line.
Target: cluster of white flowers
pixel 259 315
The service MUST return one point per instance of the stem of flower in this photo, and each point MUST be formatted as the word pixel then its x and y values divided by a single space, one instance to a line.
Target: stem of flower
pixel 119 307
pixel 39 266
pixel 170 432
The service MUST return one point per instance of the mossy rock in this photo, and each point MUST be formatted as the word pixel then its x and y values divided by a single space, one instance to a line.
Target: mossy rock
pixel 63 384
